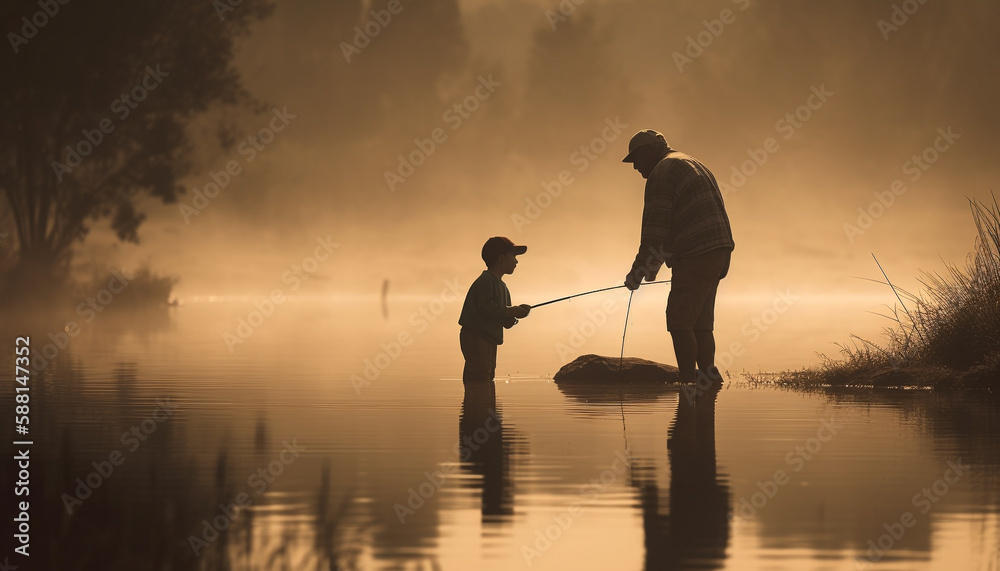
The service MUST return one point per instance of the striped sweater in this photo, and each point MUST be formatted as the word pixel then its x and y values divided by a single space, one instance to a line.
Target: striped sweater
pixel 683 215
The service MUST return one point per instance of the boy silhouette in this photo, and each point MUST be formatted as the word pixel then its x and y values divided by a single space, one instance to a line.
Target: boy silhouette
pixel 487 311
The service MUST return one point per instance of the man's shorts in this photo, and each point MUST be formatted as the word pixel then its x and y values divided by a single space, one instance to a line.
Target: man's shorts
pixel 693 285
pixel 480 357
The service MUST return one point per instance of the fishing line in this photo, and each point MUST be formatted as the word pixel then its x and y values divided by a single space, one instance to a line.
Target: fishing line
pixel 621 358
pixel 625 330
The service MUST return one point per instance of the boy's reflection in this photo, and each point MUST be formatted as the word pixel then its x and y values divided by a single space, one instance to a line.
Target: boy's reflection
pixel 482 449
pixel 696 531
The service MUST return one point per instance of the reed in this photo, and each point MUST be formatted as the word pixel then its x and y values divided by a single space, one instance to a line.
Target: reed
pixel 948 335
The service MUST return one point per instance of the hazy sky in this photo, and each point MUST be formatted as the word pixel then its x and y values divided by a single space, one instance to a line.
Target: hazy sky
pixel 878 97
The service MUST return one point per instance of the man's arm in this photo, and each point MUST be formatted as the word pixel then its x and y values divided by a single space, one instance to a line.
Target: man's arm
pixel 657 217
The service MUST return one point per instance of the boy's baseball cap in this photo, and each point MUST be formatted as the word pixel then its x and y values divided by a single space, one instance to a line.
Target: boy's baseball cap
pixel 497 246
pixel 641 139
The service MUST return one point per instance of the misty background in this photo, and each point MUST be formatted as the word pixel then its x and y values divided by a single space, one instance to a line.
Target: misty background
pixel 561 74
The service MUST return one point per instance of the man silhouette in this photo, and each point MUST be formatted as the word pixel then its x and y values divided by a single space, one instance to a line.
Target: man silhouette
pixel 685 226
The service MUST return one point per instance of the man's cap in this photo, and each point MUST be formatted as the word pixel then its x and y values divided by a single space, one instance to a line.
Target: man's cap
pixel 498 246
pixel 642 139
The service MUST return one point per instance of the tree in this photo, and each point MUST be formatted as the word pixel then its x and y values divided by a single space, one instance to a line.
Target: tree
pixel 362 70
pixel 95 100
pixel 572 85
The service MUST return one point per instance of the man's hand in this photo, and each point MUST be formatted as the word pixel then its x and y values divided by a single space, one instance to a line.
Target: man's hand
pixel 520 311
pixel 631 282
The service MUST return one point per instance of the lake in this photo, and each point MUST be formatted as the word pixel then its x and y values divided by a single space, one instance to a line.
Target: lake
pixel 336 437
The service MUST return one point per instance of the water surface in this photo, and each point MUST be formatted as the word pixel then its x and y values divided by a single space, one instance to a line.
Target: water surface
pixel 410 471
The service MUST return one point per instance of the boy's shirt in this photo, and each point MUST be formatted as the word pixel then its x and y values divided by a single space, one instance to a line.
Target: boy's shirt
pixel 485 307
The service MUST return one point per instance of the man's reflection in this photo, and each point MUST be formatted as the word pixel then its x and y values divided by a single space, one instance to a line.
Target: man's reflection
pixel 482 449
pixel 696 531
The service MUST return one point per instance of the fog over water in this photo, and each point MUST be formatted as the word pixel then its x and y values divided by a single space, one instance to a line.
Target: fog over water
pixel 886 94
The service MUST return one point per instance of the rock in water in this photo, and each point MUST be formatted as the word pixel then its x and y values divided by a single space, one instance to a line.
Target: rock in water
pixel 596 369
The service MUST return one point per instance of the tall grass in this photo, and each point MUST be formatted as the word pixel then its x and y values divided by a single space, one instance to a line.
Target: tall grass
pixel 949 334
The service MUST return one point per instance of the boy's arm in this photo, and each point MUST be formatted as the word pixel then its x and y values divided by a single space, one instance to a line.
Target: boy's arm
pixel 514 312
pixel 496 310
pixel 519 311
pixel 489 307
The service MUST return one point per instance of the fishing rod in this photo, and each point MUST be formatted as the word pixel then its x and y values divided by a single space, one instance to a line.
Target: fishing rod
pixel 595 291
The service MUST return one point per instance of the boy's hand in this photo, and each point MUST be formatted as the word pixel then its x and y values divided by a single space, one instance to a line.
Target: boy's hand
pixel 521 311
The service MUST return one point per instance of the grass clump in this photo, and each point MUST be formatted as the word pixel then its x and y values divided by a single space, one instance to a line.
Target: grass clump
pixel 946 337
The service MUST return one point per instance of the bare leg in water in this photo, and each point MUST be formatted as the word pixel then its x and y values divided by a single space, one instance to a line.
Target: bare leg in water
pixel 693 348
